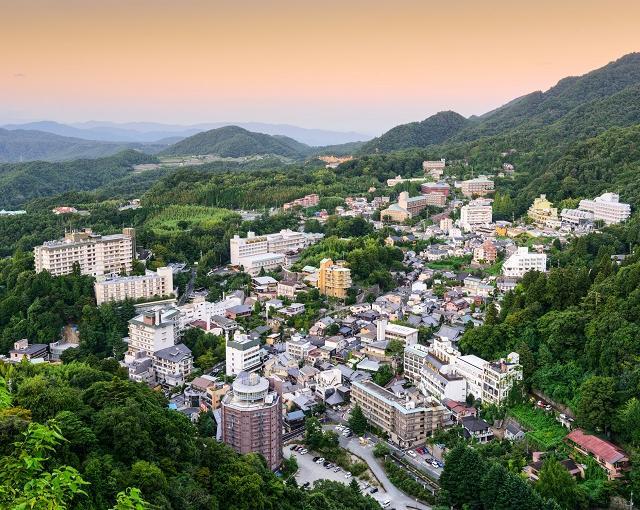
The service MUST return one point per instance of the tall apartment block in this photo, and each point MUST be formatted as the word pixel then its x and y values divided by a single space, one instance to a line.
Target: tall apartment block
pixel 148 285
pixel 96 255
pixel 334 279
pixel 251 418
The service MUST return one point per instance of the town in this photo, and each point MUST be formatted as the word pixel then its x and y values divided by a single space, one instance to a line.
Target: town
pixel 371 383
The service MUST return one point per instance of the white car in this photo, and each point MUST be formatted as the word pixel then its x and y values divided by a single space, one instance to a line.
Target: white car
pixel 304 451
pixel 386 503
pixel 339 427
pixel 347 475
pixel 412 453
pixel 434 464
pixel 320 460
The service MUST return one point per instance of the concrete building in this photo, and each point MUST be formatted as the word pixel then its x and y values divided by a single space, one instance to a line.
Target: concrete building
pixel 607 208
pixel 119 288
pixel 242 354
pixel 95 254
pixel 479 186
pixel 523 261
pixel 172 365
pixel 268 251
pixel 23 350
pixel 415 357
pixel 542 212
pixel 408 422
pixel 439 188
pixel 307 201
pixel 298 348
pixel 486 252
pixel 434 168
pixel 202 310
pixel 388 331
pixel 407 207
pixel 334 279
pixel 251 417
pixel 475 213
pixel 152 331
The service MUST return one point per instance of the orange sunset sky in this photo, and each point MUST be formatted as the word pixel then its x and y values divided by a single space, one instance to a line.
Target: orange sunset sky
pixel 344 65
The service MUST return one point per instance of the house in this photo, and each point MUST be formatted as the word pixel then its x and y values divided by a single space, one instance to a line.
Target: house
pixel 533 469
pixel 238 311
pixel 476 428
pixel 459 409
pixel 609 456
pixel 513 432
pixel 30 352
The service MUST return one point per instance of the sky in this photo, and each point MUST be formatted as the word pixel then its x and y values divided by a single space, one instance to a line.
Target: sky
pixel 336 64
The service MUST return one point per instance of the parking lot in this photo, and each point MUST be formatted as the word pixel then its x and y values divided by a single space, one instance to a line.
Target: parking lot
pixel 309 472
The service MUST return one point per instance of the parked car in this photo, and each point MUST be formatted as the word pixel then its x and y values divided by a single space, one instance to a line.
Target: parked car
pixel 315 459
pixel 412 453
pixel 337 469
pixel 320 460
pixel 347 475
pixel 373 490
pixel 386 503
pixel 304 451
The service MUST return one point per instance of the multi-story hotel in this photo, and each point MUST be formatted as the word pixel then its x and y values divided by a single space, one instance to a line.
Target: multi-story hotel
pixel 95 254
pixel 438 188
pixel 268 251
pixel 334 279
pixel 407 206
pixel 242 354
pixel 153 355
pixel 251 419
pixel 306 201
pixel 119 288
pixel 479 186
pixel 607 208
pixel 408 422
pixel 522 261
pixel 434 168
pixel 476 212
pixel 542 212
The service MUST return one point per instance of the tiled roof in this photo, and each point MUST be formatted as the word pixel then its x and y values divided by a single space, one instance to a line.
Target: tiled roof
pixel 598 447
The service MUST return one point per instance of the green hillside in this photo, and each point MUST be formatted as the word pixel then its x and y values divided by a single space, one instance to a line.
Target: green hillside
pixel 434 130
pixel 234 141
pixel 20 182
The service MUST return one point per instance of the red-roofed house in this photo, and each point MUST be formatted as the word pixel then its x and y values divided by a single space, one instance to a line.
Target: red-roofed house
pixel 610 457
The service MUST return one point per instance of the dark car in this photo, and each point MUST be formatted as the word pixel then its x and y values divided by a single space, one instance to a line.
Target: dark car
pixel 373 490
pixel 315 459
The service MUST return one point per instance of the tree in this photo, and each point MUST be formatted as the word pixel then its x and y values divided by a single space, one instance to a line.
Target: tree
pixel 357 420
pixel 555 482
pixel 381 449
pixel 597 398
pixel 383 375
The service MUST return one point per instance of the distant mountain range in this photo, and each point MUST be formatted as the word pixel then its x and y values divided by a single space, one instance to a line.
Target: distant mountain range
pixel 576 107
pixel 145 132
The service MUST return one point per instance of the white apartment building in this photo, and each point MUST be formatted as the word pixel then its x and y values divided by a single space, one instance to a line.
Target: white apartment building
pixel 414 359
pixel 242 354
pixel 268 251
pixel 387 331
pixel 445 373
pixel 152 331
pixel 153 355
pixel 476 212
pixel 607 208
pixel 298 348
pixel 202 310
pixel 522 261
pixel 95 254
pixel 481 186
pixel 119 288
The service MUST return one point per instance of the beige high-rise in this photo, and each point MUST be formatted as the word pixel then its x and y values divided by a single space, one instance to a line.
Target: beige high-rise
pixel 334 279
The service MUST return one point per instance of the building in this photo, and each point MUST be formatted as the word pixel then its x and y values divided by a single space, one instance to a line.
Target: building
pixel 476 428
pixel 334 279
pixel 388 331
pixel 479 186
pixel 153 356
pixel 607 208
pixel 202 310
pixel 439 188
pixel 407 207
pixel 609 456
pixel 152 331
pixel 476 212
pixel 486 252
pixel 268 251
pixel 23 350
pixel 242 354
pixel 576 217
pixel 436 200
pixel 298 348
pixel 264 287
pixel 434 168
pixel 96 255
pixel 251 419
pixel 542 212
pixel 304 202
pixel 288 288
pixel 415 357
pixel 523 261
pixel 408 422
pixel 119 288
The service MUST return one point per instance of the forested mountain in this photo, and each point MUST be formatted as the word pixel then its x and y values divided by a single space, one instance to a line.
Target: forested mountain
pixel 434 130
pixel 234 141
pixel 575 108
pixel 20 182
pixel 30 145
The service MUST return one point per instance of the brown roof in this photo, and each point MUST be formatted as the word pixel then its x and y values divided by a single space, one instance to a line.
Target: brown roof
pixel 598 447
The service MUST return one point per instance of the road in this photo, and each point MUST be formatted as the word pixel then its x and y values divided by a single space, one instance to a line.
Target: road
pixel 188 289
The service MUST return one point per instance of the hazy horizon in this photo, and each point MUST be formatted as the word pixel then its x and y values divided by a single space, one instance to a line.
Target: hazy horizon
pixel 341 66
